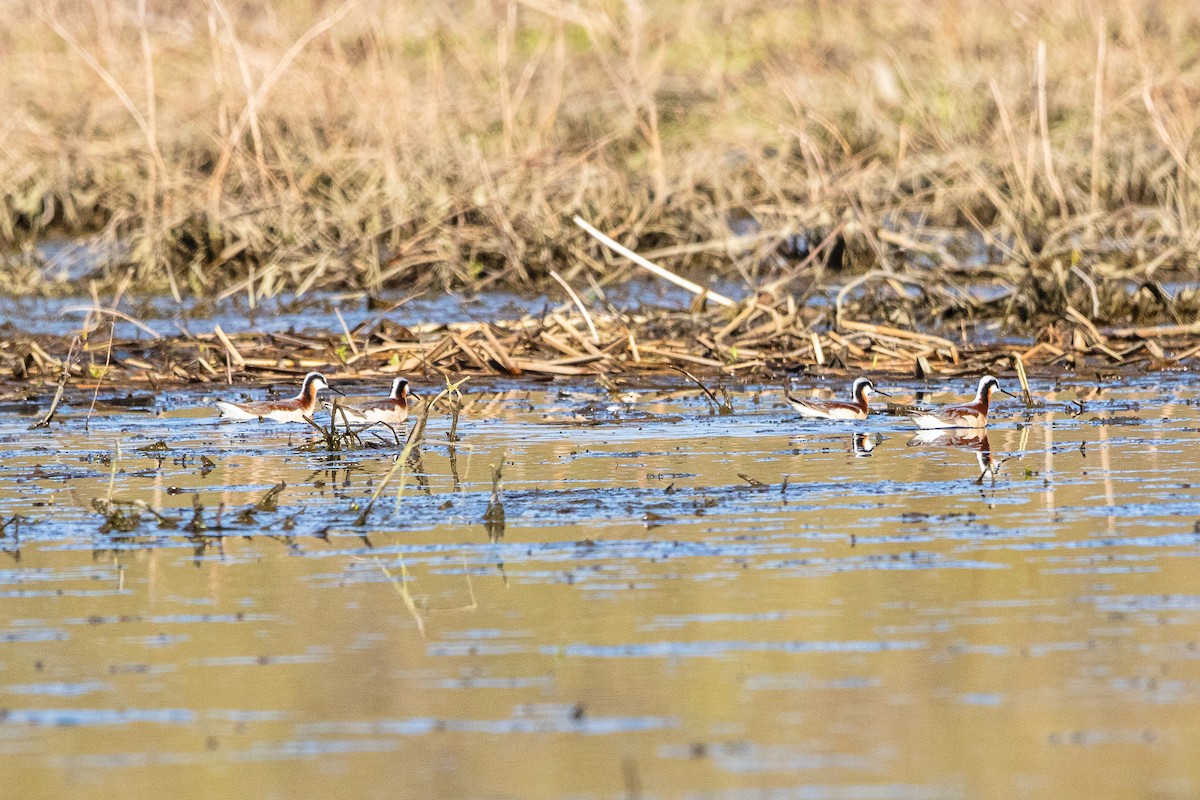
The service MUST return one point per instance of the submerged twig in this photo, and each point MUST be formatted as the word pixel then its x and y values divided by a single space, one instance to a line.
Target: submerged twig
pixel 722 408
pixel 46 418
pixel 1026 395
pixel 493 518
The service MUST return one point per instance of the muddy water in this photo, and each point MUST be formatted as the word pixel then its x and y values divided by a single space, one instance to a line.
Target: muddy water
pixel 856 617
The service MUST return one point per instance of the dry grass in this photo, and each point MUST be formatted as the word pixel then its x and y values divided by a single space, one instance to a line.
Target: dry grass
pixel 228 147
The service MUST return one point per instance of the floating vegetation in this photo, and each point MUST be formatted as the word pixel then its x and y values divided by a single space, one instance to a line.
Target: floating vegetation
pixel 270 500
pixel 197 524
pixel 125 516
pixel 755 338
pixel 332 439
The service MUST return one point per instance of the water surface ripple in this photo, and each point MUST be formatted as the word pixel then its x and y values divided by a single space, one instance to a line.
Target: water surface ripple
pixel 676 605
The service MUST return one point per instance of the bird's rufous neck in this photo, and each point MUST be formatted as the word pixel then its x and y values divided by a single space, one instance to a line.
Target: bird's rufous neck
pixel 308 394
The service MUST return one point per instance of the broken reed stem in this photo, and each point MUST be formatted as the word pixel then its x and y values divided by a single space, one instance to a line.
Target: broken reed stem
pixel 44 422
pixel 1026 395
pixel 1091 284
pixel 112 327
pixel 575 298
pixel 231 352
pixel 665 274
pixel 112 312
pixel 346 330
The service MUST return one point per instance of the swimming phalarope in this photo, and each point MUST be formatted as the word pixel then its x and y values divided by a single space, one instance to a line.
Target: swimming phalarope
pixel 390 410
pixel 837 409
pixel 297 409
pixel 970 415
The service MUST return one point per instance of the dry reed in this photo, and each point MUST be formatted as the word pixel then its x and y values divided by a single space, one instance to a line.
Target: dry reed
pixel 260 149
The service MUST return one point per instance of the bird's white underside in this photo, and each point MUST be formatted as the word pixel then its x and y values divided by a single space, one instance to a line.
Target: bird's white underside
pixel 232 411
pixel 371 415
pixel 932 421
pixel 814 412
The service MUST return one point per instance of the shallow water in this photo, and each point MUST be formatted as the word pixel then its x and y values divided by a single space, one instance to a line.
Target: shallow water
pixel 856 617
pixel 313 312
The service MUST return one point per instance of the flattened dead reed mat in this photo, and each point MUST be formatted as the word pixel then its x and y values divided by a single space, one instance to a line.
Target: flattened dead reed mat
pixel 754 339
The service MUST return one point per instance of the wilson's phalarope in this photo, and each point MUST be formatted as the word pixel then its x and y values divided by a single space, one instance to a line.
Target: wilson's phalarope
pixel 837 409
pixel 970 415
pixel 295 410
pixel 391 410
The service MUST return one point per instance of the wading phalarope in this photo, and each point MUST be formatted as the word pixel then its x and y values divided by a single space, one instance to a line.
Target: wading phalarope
pixel 970 415
pixel 837 409
pixel 297 409
pixel 390 410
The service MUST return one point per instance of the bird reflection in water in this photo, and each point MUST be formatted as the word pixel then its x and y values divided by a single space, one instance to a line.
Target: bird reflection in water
pixel 976 440
pixel 864 444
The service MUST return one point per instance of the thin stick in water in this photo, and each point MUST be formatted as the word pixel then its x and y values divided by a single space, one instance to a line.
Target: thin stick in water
pixel 1025 394
pixel 44 422
pixel 112 327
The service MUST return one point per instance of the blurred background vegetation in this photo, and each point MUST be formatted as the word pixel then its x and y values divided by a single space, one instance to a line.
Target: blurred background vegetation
pixel 286 146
